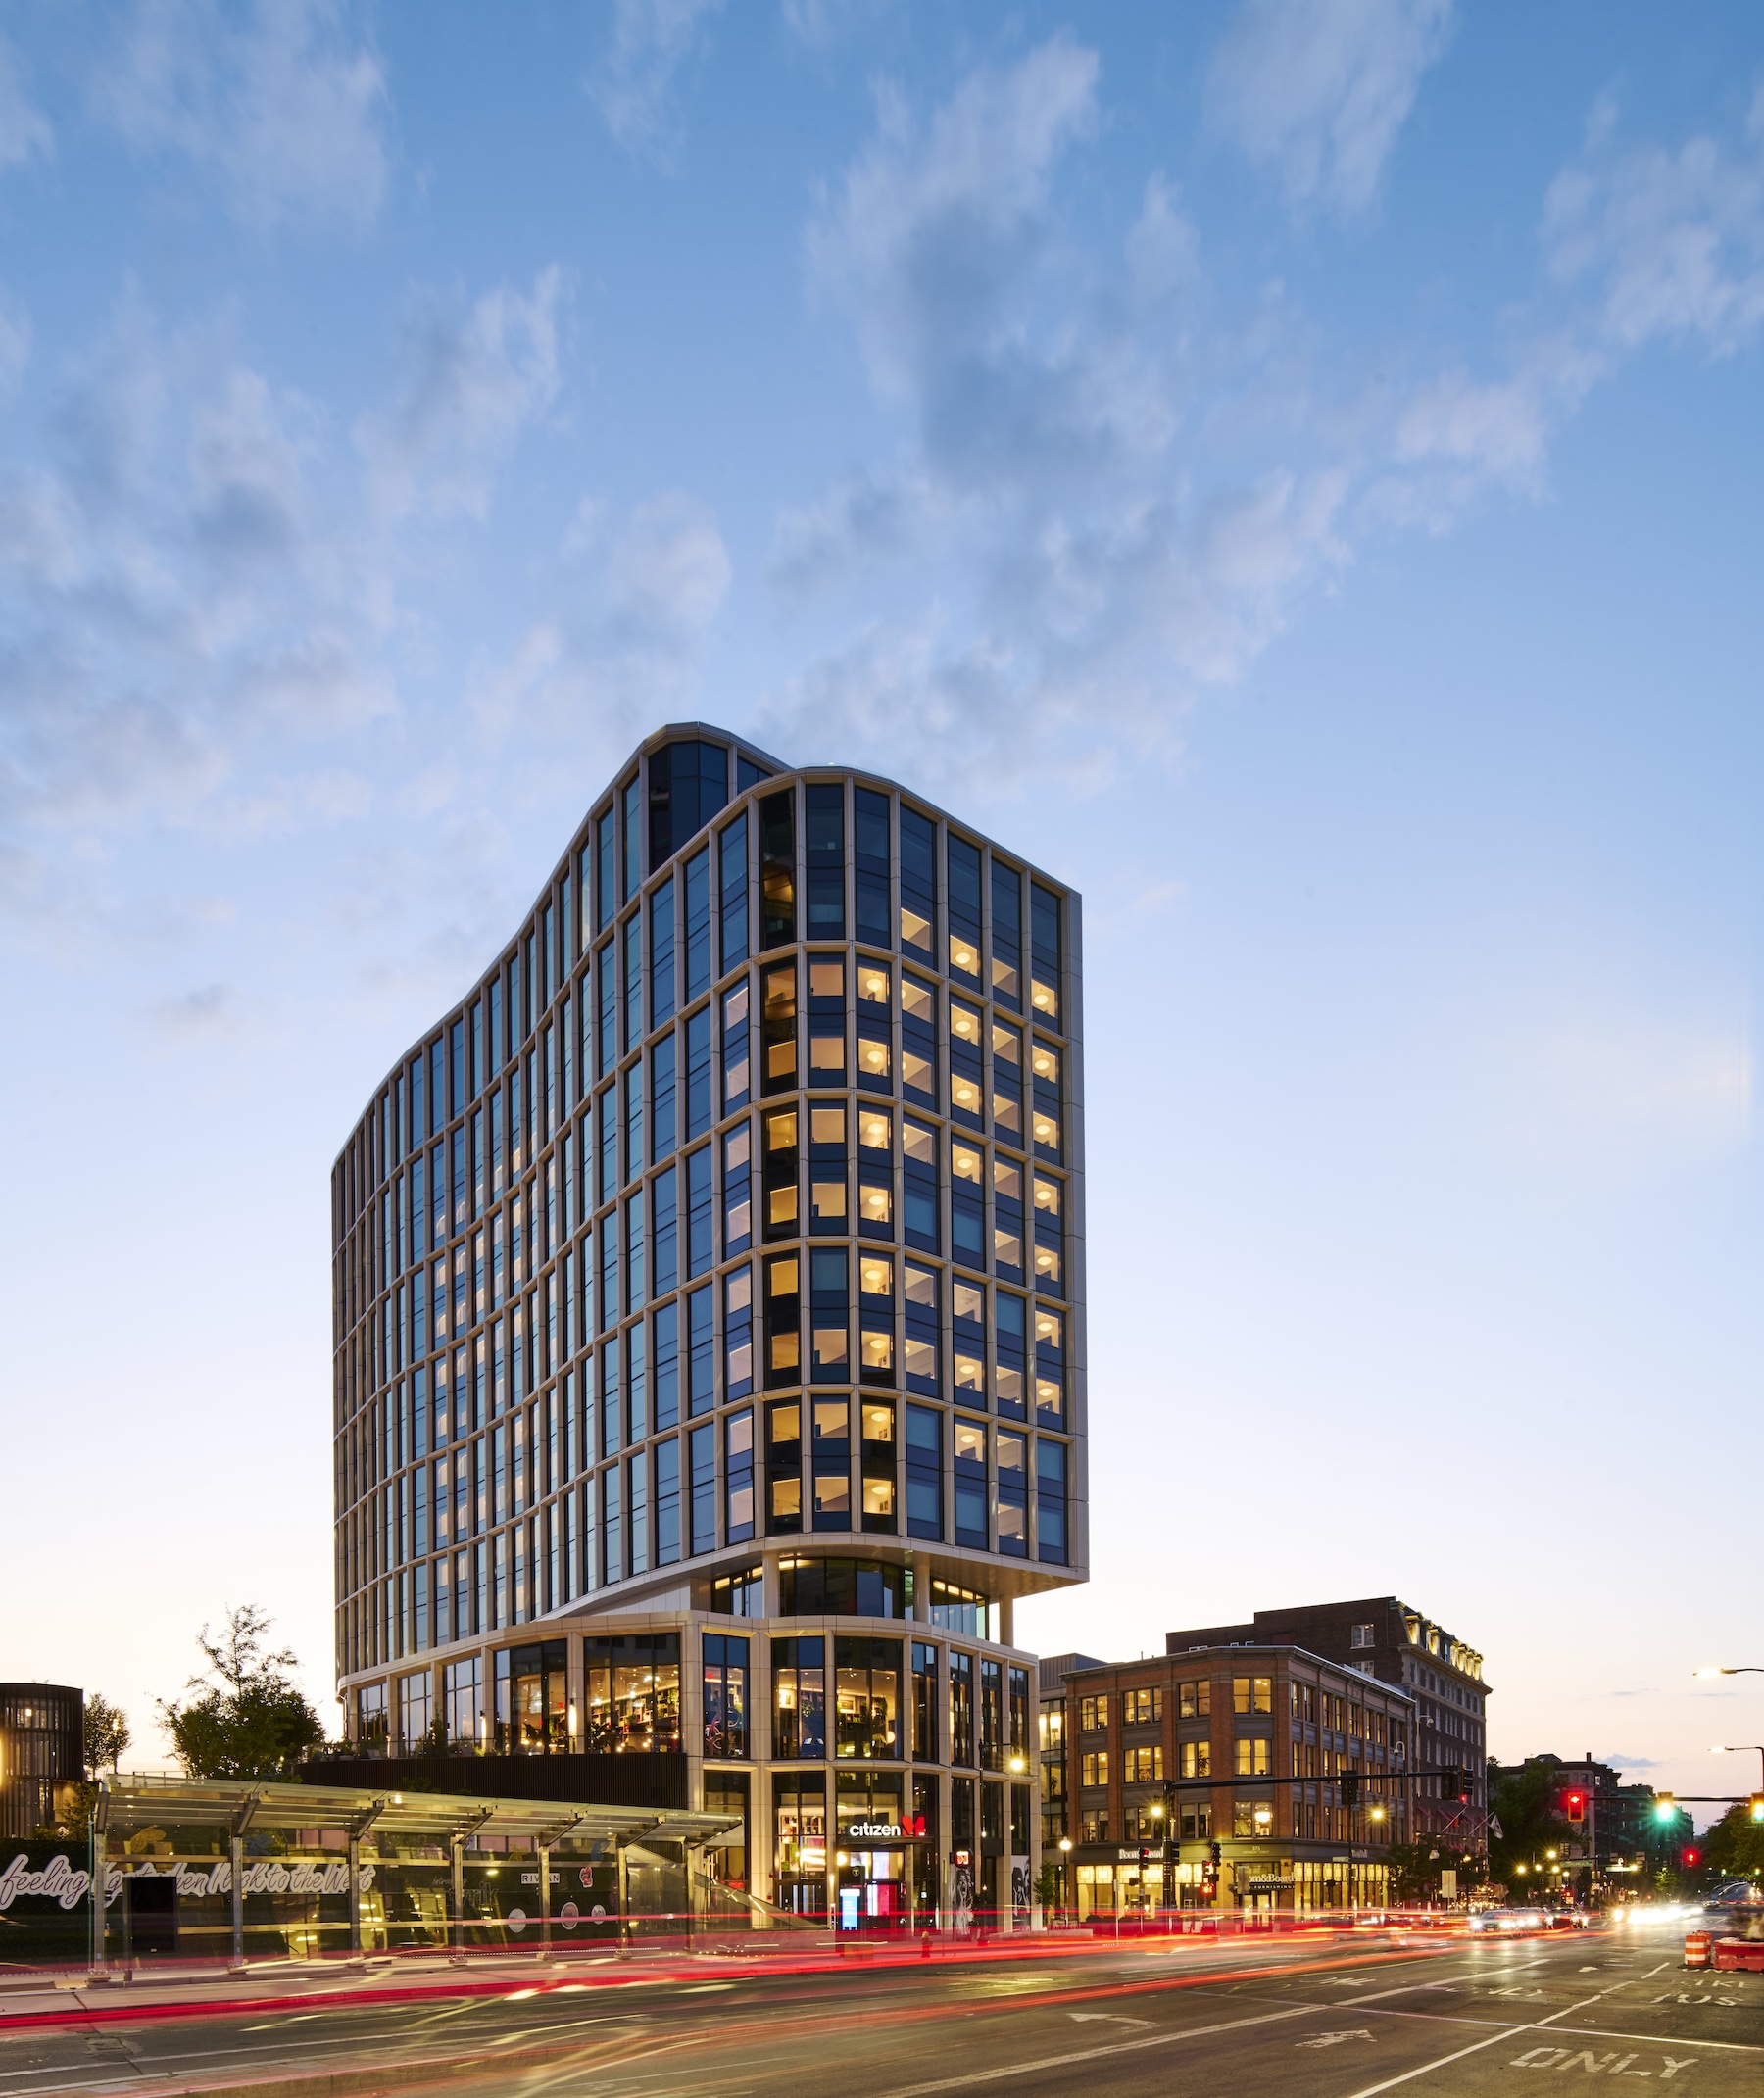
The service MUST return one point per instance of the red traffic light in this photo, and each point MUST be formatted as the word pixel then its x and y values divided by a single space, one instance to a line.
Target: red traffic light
pixel 1694 1857
pixel 1576 1806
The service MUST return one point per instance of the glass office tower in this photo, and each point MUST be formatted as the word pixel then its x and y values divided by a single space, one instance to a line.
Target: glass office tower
pixel 710 1332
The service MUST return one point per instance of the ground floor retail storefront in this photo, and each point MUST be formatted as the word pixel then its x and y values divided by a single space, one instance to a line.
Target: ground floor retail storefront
pixel 1112 1880
pixel 877 1773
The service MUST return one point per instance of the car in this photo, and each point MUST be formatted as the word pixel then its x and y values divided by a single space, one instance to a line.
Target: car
pixel 1505 1922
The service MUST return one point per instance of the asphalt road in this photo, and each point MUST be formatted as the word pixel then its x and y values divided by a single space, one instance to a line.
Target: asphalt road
pixel 1341 2019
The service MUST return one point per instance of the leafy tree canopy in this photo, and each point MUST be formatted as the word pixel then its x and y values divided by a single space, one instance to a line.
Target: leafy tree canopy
pixel 1523 1802
pixel 107 1732
pixel 245 1717
pixel 1734 1848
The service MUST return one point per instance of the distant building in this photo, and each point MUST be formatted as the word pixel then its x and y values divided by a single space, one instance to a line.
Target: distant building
pixel 1381 1637
pixel 42 1752
pixel 1622 1830
pixel 1054 1822
pixel 1237 1751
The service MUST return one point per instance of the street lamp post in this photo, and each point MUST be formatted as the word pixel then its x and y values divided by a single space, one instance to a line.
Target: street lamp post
pixel 1742 1748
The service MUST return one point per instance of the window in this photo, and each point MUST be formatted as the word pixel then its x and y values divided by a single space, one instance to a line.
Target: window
pixel 1007 935
pixel 1044 952
pixel 961 1708
pixel 1139 1708
pixel 841 1587
pixel 633 1686
pixel 918 883
pixel 1253 1694
pixel 970 1482
pixel 739 1594
pixel 798 1697
pixel 1194 1700
pixel 924 1472
pixel 877 1421
pixel 867 1697
pixel 1196 1759
pixel 1093 1769
pixel 737 1078
pixel 1051 1501
pixel 738 1207
pixel 783 1318
pixel 738 1332
pixel 1142 1766
pixel 725 1696
pixel 924 1702
pixel 732 853
pixel 738 1482
pixel 780 1163
pixel 920 1308
pixel 823 856
pixel 1253 1757
pixel 779 1027
pixel 777 869
pixel 871 861
pixel 1092 1714
pixel 1013 1491
pixel 1362 1635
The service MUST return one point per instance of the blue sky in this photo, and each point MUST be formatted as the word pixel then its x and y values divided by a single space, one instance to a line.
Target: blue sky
pixel 1291 468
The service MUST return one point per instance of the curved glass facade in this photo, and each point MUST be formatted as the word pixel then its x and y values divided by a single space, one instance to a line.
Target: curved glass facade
pixel 720 1255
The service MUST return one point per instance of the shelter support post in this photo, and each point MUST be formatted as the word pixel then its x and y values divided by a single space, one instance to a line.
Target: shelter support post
pixel 235 1855
pixel 354 1897
pixel 100 1872
pixel 458 1894
pixel 544 1899
pixel 621 1861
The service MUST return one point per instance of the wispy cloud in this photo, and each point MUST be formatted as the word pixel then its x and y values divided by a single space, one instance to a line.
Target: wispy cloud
pixel 25 133
pixel 279 101
pixel 635 85
pixel 471 385
pixel 1320 89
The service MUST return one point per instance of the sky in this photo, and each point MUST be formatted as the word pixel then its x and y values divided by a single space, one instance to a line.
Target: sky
pixel 1290 467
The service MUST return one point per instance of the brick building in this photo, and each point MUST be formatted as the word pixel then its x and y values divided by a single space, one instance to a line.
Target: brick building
pixel 1237 1750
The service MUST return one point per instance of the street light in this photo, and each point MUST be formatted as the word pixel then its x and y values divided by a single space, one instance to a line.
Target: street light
pixel 1741 1748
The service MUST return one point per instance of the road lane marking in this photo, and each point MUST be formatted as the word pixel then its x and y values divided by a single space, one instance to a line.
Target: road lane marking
pixel 1096 2054
pixel 1508 2033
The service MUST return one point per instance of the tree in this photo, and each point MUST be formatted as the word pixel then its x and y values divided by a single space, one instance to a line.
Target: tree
pixel 1734 1848
pixel 107 1732
pixel 248 1718
pixel 1523 1802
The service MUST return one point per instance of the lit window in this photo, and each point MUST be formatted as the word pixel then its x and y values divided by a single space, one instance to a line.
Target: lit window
pixel 965 1162
pixel 878 1352
pixel 827 1205
pixel 878 1496
pixel 1045 1062
pixel 1049 1400
pixel 1007 1387
pixel 875 1132
pixel 826 1055
pixel 826 977
pixel 786 1498
pixel 970 1301
pixel 1007 1042
pixel 830 1348
pixel 832 1423
pixel 1047 1197
pixel 878 1424
pixel 782 1275
pixel 875 1278
pixel 1007 1180
pixel 1046 1131
pixel 916 1072
pixel 920 1358
pixel 1046 1326
pixel 781 1205
pixel 1043 997
pixel 970 1441
pixel 920 1142
pixel 875 1205
pixel 916 1001
pixel 964 954
pixel 921 1286
pixel 781 1129
pixel 1047 1262
pixel 873 985
pixel 1007 1116
pixel 915 931
pixel 786 1350
pixel 873 1058
pixel 964 1093
pixel 827 1125
pixel 970 1373
pixel 964 1022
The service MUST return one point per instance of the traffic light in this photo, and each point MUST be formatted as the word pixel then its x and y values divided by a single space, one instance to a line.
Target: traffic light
pixel 1577 1807
pixel 1451 1783
pixel 1755 1806
pixel 1693 1857
pixel 1218 1856
pixel 1665 1807
pixel 1145 1856
pixel 1350 1783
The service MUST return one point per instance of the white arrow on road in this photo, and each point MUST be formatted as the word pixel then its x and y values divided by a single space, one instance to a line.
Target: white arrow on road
pixel 1105 2017
pixel 1335 2039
